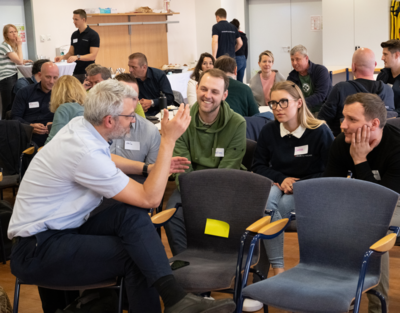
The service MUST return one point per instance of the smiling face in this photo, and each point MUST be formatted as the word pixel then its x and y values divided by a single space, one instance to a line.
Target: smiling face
pixel 266 64
pixel 207 64
pixel 48 76
pixel 285 115
pixel 210 93
pixel 299 62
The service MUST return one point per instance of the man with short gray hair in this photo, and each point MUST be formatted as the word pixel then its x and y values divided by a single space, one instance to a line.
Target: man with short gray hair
pixel 68 179
pixel 313 79
pixel 98 74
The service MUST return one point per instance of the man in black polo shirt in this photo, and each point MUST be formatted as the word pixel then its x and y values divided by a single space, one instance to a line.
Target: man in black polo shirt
pixel 85 43
pixel 391 73
pixel 31 104
pixel 151 82
pixel 370 149
pixel 225 36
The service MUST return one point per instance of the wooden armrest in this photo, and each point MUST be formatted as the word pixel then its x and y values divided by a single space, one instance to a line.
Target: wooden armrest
pixel 385 244
pixel 40 149
pixel 273 228
pixel 1 176
pixel 256 226
pixel 30 150
pixel 163 216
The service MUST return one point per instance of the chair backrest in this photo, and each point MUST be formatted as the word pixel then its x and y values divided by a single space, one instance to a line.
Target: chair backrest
pixel 254 125
pixel 338 219
pixel 238 198
pixel 14 138
pixel 394 121
pixel 248 156
pixel 391 114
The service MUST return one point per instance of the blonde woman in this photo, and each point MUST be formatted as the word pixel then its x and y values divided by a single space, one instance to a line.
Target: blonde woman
pixel 67 98
pixel 293 147
pixel 10 57
pixel 262 82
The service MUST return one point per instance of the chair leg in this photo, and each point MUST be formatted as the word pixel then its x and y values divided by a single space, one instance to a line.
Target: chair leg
pixel 381 297
pixel 121 292
pixel 16 296
pixel 258 273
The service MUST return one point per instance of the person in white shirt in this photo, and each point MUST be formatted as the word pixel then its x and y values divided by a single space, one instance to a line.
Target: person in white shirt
pixel 55 240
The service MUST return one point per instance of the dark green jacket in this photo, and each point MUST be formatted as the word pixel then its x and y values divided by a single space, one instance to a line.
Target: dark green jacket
pixel 240 98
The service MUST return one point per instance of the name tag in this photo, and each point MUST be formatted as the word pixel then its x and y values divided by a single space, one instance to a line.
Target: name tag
pixel 219 152
pixel 301 150
pixel 33 105
pixel 132 145
pixel 74 40
pixel 376 175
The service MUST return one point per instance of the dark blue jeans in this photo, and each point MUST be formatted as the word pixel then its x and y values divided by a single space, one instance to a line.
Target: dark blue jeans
pixel 241 66
pixel 118 241
pixel 6 87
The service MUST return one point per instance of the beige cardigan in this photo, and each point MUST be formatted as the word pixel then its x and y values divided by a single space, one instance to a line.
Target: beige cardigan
pixel 257 89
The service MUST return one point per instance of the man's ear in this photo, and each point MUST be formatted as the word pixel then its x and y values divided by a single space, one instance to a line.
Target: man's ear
pixel 375 124
pixel 235 72
pixel 225 95
pixel 108 122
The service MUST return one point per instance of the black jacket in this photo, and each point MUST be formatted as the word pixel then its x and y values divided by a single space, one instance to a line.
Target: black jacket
pixel 331 111
pixel 320 79
pixel 386 76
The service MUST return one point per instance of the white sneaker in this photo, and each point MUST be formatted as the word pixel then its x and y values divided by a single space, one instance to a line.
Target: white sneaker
pixel 209 298
pixel 250 305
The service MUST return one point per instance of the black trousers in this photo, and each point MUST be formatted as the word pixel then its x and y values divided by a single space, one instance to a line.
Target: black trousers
pixel 118 241
pixel 6 87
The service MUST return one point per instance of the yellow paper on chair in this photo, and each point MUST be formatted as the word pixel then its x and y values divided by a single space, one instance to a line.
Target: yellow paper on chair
pixel 217 228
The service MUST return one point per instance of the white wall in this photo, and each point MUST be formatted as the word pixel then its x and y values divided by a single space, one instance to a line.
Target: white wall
pixel 57 22
pixel 12 12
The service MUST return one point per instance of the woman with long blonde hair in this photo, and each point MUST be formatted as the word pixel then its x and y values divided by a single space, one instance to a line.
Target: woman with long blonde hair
pixel 10 57
pixel 293 147
pixel 67 98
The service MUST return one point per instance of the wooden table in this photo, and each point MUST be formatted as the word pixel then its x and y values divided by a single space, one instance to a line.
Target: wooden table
pixel 341 69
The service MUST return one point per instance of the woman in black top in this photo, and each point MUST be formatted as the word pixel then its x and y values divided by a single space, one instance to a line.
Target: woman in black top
pixel 241 54
pixel 293 147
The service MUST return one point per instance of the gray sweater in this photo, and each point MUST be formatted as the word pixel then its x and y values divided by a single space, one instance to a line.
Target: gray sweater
pixel 257 88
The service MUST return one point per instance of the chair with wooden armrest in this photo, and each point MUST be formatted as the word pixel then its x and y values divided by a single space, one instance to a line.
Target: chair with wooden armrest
pixel 215 264
pixel 338 230
pixel 158 220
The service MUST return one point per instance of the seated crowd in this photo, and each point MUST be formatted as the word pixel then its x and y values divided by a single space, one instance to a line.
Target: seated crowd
pixel 97 140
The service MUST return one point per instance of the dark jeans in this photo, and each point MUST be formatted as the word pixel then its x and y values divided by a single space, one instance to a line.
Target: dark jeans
pixel 241 67
pixel 6 87
pixel 118 241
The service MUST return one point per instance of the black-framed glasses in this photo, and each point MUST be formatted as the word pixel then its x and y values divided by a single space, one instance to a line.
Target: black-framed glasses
pixel 283 103
pixel 132 116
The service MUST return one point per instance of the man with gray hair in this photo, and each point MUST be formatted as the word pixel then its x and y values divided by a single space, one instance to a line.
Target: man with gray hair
pixel 313 79
pixel 363 67
pixel 98 74
pixel 57 241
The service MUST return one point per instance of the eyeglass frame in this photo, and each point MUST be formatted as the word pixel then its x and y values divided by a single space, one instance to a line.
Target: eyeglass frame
pixel 132 116
pixel 280 103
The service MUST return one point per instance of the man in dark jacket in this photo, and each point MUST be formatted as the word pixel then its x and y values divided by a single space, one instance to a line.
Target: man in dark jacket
pixel 363 66
pixel 313 79
pixel 391 73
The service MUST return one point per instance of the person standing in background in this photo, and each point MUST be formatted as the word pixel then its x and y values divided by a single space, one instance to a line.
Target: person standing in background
pixel 85 44
pixel 241 54
pixel 225 37
pixel 10 57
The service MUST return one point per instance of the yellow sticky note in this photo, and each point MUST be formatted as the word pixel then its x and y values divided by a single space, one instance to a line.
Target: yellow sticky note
pixel 217 228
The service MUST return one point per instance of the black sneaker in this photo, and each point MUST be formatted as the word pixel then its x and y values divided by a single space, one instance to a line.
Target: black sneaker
pixel 194 304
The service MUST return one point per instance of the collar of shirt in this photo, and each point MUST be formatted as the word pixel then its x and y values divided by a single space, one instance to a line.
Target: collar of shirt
pixel 298 132
pixel 34 79
pixel 95 133
pixel 85 31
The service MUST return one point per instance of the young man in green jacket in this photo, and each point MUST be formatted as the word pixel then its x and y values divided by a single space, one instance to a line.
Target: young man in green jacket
pixel 215 138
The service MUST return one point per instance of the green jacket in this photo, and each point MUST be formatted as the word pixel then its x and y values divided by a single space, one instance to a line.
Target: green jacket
pixel 240 98
pixel 199 143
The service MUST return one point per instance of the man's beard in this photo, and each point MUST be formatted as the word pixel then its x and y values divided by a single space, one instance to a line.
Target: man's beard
pixel 120 132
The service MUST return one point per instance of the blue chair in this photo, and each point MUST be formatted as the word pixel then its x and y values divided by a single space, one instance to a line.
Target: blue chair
pixel 342 226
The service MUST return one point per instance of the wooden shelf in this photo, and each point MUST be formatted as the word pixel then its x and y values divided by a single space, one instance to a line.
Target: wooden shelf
pixel 130 14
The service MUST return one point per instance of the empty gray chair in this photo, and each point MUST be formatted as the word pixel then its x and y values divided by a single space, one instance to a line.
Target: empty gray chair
pixel 338 220
pixel 236 197
pixel 394 121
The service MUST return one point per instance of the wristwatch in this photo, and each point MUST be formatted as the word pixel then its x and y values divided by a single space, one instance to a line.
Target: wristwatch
pixel 145 173
pixel 78 56
pixel 152 103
